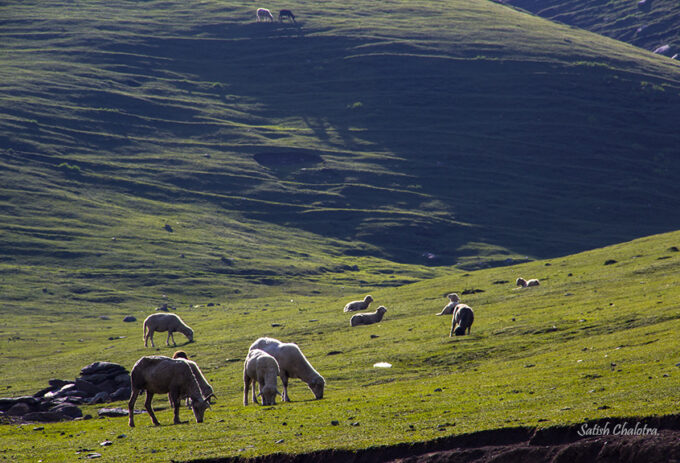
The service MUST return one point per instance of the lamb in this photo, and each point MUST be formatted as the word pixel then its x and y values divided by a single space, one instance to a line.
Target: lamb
pixel 157 374
pixel 292 364
pixel 262 368
pixel 367 318
pixel 448 308
pixel 264 14
pixel 359 305
pixel 526 283
pixel 286 14
pixel 463 316
pixel 165 322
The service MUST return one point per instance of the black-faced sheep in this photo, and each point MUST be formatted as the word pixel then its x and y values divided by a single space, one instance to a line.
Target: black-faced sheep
pixel 263 369
pixel 526 283
pixel 359 305
pixel 448 308
pixel 367 318
pixel 162 375
pixel 463 316
pixel 165 322
pixel 292 364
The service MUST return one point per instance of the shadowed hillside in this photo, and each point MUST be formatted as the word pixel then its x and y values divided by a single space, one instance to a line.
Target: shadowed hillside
pixel 649 24
pixel 138 136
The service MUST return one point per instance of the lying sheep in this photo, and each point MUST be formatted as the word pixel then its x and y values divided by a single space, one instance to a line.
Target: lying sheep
pixel 292 364
pixel 367 318
pixel 262 368
pixel 448 308
pixel 359 305
pixel 165 322
pixel 526 283
pixel 463 316
pixel 157 374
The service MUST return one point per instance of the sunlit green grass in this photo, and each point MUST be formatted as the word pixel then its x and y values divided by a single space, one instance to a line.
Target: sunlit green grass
pixel 593 340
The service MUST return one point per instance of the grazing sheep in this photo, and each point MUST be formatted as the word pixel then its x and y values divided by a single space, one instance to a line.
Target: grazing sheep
pixel 448 308
pixel 165 322
pixel 262 368
pixel 367 318
pixel 359 305
pixel 292 364
pixel 463 316
pixel 286 14
pixel 526 283
pixel 157 374
pixel 264 14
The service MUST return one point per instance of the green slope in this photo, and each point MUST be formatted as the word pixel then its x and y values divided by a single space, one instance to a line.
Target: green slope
pixel 422 133
pixel 594 340
pixel 652 25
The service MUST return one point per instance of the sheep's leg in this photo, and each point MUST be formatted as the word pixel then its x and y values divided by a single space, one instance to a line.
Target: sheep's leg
pixel 131 407
pixel 174 401
pixel 261 389
pixel 246 386
pixel 284 381
pixel 254 394
pixel 149 409
pixel 453 325
pixel 150 336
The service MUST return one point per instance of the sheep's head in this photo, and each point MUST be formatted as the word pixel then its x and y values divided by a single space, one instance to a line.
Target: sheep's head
pixel 180 354
pixel 368 298
pixel 189 334
pixel 317 386
pixel 268 395
pixel 199 407
pixel 453 297
pixel 382 309
pixel 521 282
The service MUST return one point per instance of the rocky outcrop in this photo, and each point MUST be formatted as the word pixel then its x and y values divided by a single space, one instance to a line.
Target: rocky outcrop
pixel 99 382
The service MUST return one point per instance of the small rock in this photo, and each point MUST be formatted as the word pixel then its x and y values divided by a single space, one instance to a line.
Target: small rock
pixel 280 441
pixel 373 336
pixel 334 352
pixel 276 325
pixel 609 262
pixel 439 389
pixel 39 428
pixel 335 423
pixel 129 319
pixel 604 407
pixel 104 317
pixel 106 443
pixel 121 436
pixel 168 228
pixel 355 424
pixel 94 455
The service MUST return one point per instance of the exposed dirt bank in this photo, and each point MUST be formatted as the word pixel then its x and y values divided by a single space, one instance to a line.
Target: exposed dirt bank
pixel 626 440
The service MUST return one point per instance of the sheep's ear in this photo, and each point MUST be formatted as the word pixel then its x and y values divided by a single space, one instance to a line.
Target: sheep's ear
pixel 207 399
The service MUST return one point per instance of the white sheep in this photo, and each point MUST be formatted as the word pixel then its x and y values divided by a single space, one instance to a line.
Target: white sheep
pixel 165 322
pixel 157 374
pixel 367 318
pixel 264 14
pixel 292 364
pixel 359 305
pixel 448 308
pixel 526 283
pixel 262 368
pixel 463 316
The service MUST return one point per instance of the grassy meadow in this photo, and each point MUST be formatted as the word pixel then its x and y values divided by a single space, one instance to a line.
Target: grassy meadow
pixel 246 174
pixel 592 341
